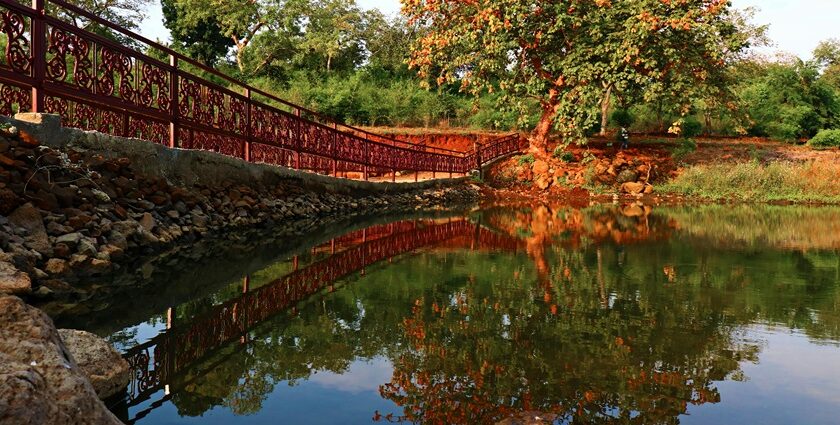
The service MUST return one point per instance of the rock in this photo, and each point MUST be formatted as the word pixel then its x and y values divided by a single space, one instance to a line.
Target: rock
pixel 101 196
pixel 148 237
pixel 70 239
pixel 173 214
pixel 87 246
pixel 544 182
pixel 13 281
pixel 106 370
pixel 110 252
pixel 5 160
pixel 98 266
pixel 632 188
pixel 76 260
pixel 540 167
pixel 147 222
pixel 29 218
pixel 57 266
pixel 627 175
pixel 146 205
pixel 120 212
pixel 8 201
pixel 40 382
pixel 61 250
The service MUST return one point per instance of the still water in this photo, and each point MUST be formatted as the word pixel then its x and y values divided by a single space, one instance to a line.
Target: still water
pixel 604 314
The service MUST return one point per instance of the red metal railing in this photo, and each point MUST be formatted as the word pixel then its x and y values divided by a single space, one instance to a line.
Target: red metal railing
pixel 94 83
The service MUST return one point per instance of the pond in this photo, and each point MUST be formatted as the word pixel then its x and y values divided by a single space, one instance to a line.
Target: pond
pixel 604 314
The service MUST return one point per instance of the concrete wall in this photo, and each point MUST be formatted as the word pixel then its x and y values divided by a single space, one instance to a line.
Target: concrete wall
pixel 191 167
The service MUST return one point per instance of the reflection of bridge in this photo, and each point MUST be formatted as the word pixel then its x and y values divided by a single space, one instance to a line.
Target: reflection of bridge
pixel 155 363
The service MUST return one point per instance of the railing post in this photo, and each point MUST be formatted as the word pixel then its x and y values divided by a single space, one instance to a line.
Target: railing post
pixel 367 157
pixel 477 148
pixel 333 152
pixel 174 97
pixel 247 147
pixel 298 138
pixel 39 56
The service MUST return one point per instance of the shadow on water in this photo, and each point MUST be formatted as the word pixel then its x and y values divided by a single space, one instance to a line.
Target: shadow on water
pixel 606 314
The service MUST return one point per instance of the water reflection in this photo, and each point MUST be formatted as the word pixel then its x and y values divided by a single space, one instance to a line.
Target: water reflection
pixel 608 314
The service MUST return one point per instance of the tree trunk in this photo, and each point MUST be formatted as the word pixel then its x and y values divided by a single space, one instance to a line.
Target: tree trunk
pixel 605 109
pixel 539 139
pixel 329 62
pixel 659 120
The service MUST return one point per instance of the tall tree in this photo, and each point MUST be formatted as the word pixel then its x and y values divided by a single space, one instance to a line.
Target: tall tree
pixel 201 37
pixel 125 13
pixel 565 53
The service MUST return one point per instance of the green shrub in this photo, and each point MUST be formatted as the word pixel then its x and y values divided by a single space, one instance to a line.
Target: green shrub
pixel 825 139
pixel 691 128
pixel 682 150
pixel 622 118
pixel 526 159
pixel 560 153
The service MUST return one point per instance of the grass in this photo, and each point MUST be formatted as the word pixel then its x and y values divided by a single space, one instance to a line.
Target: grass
pixel 815 181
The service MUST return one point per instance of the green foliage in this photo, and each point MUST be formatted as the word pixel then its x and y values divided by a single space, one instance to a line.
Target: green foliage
pixel 561 154
pixel 789 101
pixel 826 139
pixel 525 159
pixel 683 149
pixel 691 128
pixel 622 118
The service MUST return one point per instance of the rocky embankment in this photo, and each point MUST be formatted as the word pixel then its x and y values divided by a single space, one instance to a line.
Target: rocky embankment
pixel 90 205
pixel 66 215
pixel 621 171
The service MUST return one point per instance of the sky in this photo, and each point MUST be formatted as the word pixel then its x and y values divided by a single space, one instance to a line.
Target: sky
pixel 796 26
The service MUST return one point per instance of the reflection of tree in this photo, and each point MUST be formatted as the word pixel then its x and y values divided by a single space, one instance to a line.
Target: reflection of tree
pixel 477 361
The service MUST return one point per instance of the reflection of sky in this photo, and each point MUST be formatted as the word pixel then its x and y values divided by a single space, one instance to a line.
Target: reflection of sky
pixel 326 398
pixel 361 376
pixel 794 382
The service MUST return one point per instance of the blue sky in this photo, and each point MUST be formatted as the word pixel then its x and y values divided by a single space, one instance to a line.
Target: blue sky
pixel 796 26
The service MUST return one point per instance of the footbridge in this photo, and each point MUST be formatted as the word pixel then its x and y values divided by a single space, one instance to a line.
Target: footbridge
pixel 52 65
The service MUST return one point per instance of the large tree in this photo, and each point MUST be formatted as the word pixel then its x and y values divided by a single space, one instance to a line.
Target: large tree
pixel 566 54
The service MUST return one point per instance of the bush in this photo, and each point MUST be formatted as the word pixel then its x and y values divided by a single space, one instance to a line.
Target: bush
pixel 686 147
pixel 525 159
pixel 825 139
pixel 622 118
pixel 691 128
pixel 564 156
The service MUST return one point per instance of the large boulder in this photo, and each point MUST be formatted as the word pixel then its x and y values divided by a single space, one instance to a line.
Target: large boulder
pixel 106 370
pixel 13 281
pixel 39 381
pixel 633 188
pixel 627 175
pixel 29 218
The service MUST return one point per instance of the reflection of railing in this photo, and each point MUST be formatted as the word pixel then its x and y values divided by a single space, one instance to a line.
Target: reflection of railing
pixel 156 362
pixel 94 83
